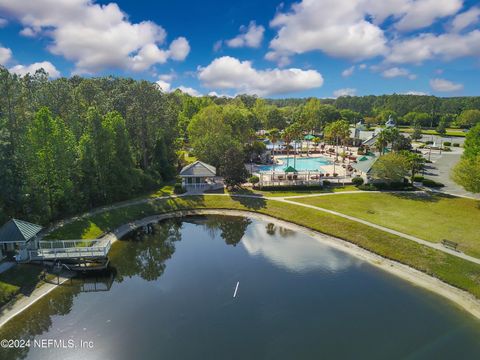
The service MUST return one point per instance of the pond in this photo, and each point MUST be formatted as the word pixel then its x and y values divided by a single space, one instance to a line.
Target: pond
pixel 171 296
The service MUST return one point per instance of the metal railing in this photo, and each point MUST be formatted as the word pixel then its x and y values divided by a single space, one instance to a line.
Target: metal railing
pixel 68 251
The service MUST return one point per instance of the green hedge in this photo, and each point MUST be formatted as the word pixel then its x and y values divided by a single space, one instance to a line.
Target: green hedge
pixel 178 189
pixel 357 181
pixel 432 183
pixel 291 187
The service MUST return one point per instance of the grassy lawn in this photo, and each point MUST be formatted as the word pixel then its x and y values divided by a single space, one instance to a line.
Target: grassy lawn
pixel 430 217
pixel 278 193
pixel 450 132
pixel 163 191
pixel 455 271
pixel 21 278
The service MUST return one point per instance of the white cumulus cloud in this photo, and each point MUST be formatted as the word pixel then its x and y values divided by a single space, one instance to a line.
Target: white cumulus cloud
pixel 415 92
pixel 344 92
pixel 398 72
pixel 165 86
pixel 95 36
pixel 423 13
pixel 429 46
pixel 30 69
pixel 348 72
pixel 188 90
pixel 230 73
pixel 336 27
pixel 250 36
pixel 443 85
pixel 5 55
pixel 466 19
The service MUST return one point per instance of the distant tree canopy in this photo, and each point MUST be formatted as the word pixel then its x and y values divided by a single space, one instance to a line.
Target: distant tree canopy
pixel 70 144
pixel 67 145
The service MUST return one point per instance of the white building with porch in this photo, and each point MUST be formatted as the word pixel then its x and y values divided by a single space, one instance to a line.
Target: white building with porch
pixel 200 176
pixel 17 237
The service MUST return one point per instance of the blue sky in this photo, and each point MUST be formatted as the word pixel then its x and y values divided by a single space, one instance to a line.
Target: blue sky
pixel 323 48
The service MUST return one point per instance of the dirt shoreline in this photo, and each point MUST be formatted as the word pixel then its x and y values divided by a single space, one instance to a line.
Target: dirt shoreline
pixel 461 298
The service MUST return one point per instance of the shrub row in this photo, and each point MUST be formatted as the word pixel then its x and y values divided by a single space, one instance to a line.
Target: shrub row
pixel 357 181
pixel 290 187
pixel 178 189
pixel 432 183
pixel 399 186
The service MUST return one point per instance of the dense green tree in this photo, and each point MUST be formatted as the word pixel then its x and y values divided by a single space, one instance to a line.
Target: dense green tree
pixel 210 137
pixel 233 168
pixel 392 167
pixel 416 162
pixel 472 142
pixel 50 154
pixel 442 127
pixel 467 173
pixel 417 131
pixel 468 118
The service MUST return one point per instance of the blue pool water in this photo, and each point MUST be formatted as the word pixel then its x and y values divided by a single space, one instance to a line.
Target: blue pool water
pixel 300 164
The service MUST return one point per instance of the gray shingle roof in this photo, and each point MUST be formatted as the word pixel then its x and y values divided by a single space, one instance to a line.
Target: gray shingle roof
pixel 198 168
pixel 18 231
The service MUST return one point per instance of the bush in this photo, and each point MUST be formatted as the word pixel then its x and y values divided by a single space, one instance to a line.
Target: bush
pixel 357 181
pixel 398 186
pixel 447 143
pixel 432 183
pixel 367 187
pixel 429 142
pixel 290 187
pixel 456 145
pixel 253 180
pixel 418 178
pixel 447 149
pixel 335 174
pixel 178 189
pixel 326 183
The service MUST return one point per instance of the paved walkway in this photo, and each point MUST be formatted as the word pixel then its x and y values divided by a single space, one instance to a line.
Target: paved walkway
pixel 13 309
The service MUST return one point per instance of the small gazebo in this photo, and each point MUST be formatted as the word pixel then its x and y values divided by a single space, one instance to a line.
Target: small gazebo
pixel 199 175
pixel 18 236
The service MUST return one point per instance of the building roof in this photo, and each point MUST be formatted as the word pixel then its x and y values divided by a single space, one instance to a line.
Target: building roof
pixel 198 168
pixel 18 231
pixel 365 164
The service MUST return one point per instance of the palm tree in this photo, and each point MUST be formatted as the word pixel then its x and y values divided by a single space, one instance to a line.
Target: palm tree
pixel 273 135
pixel 287 139
pixel 382 141
pixel 295 131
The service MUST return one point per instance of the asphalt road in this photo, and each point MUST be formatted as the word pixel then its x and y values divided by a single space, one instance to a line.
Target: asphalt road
pixel 441 168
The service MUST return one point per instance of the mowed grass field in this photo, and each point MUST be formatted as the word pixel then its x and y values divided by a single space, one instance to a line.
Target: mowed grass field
pixel 429 217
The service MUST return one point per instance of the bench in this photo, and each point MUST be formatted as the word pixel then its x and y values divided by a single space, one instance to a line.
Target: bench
pixel 450 244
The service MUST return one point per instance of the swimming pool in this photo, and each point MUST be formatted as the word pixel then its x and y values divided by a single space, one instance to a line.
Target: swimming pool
pixel 301 164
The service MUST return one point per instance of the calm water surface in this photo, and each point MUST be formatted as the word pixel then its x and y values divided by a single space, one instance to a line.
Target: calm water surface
pixel 300 164
pixel 171 297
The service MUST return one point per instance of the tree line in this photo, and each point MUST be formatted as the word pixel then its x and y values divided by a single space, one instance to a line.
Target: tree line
pixel 67 145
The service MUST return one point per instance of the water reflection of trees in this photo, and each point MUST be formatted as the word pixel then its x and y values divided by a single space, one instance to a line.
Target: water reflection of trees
pixel 139 254
pixel 231 228
pixel 145 255
pixel 271 229
pixel 37 319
